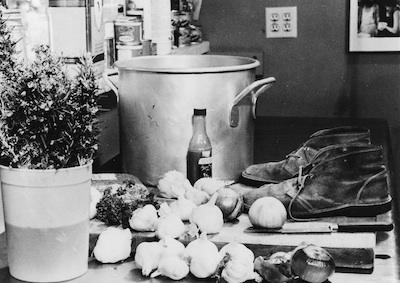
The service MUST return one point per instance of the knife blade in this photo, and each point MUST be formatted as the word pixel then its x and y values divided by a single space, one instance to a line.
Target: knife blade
pixel 325 227
pixel 297 228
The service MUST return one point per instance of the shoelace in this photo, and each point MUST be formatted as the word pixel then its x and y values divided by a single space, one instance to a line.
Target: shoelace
pixel 295 154
pixel 300 185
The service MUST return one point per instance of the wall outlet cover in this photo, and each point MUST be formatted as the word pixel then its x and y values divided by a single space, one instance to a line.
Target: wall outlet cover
pixel 281 22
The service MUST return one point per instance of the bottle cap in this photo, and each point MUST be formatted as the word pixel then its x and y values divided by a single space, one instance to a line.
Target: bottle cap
pixel 200 112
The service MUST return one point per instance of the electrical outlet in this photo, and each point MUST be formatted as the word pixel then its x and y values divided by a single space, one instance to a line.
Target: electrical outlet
pixel 281 22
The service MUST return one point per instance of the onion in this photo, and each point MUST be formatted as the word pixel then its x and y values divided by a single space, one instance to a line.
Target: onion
pixel 267 212
pixel 230 203
pixel 312 264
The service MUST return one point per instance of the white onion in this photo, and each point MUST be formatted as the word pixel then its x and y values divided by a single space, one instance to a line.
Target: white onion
pixel 267 212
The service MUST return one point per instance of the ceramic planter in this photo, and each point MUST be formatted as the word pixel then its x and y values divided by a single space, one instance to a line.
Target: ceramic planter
pixel 47 222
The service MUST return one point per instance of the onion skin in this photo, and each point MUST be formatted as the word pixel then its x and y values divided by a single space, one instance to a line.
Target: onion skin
pixel 312 264
pixel 267 212
pixel 230 203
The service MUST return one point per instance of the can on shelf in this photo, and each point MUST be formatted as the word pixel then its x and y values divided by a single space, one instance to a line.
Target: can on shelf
pixel 185 18
pixel 175 18
pixel 196 35
pixel 128 30
pixel 125 52
pixel 184 36
pixel 146 47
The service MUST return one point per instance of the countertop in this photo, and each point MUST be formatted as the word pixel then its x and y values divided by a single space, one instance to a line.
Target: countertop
pixel 274 138
pixel 385 270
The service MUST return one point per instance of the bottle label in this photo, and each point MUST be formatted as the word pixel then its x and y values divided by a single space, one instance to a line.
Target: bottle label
pixel 199 165
pixel 205 166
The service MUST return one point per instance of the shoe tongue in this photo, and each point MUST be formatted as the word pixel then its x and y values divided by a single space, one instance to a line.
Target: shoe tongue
pixel 301 157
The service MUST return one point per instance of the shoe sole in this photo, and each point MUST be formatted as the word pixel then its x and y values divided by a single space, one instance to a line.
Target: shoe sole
pixel 367 210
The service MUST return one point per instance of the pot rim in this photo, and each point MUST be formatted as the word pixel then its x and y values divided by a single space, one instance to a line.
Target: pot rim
pixel 141 64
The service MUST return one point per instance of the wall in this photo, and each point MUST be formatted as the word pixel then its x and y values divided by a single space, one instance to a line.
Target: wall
pixel 316 75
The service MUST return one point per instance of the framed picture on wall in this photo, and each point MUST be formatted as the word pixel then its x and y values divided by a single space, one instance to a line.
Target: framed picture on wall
pixel 374 25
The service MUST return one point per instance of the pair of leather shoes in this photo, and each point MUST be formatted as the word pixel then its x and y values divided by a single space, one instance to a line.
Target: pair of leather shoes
pixel 275 172
pixel 337 172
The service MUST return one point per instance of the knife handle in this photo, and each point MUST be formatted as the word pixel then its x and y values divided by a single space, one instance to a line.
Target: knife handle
pixel 366 227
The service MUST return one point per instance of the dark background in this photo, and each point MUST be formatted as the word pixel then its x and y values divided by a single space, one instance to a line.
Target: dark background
pixel 316 74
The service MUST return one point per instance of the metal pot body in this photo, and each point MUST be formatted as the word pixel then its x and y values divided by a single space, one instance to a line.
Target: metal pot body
pixel 157 95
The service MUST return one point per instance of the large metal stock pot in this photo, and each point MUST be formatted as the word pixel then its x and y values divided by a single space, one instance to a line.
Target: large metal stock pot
pixel 157 95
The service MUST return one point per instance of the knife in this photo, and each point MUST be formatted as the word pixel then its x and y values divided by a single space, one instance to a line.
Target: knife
pixel 297 228
pixel 323 227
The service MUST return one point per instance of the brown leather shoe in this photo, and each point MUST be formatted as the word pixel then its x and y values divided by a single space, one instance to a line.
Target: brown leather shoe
pixel 276 172
pixel 352 184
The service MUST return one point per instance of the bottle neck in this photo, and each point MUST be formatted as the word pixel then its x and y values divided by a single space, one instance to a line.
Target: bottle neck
pixel 199 125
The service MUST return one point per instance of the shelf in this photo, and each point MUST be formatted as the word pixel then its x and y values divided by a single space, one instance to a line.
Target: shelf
pixel 194 49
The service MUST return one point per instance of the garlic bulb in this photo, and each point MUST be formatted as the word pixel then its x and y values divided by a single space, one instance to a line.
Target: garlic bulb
pixel 209 185
pixel 203 256
pixel 148 255
pixel 237 251
pixel 173 184
pixel 197 196
pixel 237 272
pixel 171 246
pixel 173 267
pixel 144 219
pixel 208 217
pixel 164 209
pixel 183 207
pixel 170 225
pixel 239 266
pixel 113 245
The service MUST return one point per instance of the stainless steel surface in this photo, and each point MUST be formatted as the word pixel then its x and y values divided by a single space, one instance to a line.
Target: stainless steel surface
pixel 298 228
pixel 157 95
pixel 260 86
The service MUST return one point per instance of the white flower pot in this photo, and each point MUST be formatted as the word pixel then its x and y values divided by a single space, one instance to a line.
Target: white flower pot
pixel 46 215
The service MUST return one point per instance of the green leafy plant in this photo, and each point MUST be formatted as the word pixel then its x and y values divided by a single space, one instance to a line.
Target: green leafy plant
pixel 48 117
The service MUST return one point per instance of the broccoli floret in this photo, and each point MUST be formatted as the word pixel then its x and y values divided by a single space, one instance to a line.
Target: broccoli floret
pixel 118 203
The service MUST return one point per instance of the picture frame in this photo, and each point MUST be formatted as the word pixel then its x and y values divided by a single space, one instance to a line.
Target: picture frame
pixel 371 26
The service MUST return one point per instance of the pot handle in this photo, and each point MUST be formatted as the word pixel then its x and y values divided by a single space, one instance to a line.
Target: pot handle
pixel 106 77
pixel 255 88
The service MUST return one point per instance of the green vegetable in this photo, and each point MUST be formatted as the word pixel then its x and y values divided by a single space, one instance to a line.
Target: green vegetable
pixel 118 203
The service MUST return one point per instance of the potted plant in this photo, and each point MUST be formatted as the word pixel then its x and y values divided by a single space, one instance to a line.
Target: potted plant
pixel 48 140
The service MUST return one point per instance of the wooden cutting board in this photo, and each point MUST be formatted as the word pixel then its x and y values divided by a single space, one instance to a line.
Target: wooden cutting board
pixel 351 251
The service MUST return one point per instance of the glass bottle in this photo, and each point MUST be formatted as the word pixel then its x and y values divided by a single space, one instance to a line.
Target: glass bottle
pixel 199 160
